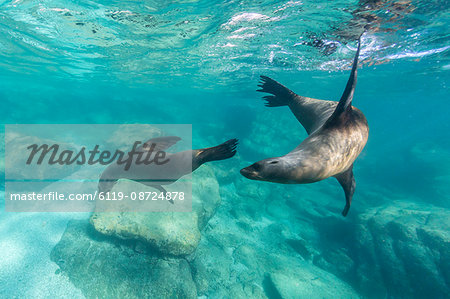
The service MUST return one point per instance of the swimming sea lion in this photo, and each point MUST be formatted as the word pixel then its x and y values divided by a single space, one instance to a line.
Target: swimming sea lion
pixel 337 132
pixel 175 166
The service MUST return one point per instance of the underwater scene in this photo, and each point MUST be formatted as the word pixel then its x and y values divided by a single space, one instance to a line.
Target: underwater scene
pixel 308 148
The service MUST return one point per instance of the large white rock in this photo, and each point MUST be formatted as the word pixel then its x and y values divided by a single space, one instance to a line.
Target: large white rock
pixel 171 233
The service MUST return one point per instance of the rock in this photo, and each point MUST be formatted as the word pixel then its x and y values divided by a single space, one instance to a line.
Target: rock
pixel 231 261
pixel 206 196
pixel 170 233
pixel 403 249
pixel 246 290
pixel 301 247
pixel 337 261
pixel 307 282
pixel 211 268
pixel 104 268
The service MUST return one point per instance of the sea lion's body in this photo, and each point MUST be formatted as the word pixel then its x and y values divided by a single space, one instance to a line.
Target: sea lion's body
pixel 328 150
pixel 174 167
pixel 337 132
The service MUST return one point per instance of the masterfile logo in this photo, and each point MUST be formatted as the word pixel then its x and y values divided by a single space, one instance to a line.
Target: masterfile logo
pixel 146 154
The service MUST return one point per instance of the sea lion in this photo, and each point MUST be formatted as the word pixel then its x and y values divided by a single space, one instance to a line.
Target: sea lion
pixel 337 132
pixel 174 167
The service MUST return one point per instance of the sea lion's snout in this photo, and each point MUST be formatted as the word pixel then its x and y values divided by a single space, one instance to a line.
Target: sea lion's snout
pixel 265 170
pixel 251 172
pixel 246 172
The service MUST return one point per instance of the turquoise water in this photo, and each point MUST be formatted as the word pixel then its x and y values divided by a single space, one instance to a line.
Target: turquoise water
pixel 199 62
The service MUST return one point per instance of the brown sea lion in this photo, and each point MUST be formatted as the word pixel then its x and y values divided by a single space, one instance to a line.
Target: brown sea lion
pixel 337 132
pixel 175 165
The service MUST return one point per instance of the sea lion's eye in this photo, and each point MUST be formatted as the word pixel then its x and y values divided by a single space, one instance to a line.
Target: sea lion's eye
pixel 273 162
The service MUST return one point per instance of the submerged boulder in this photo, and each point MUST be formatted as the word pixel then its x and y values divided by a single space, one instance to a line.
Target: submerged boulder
pixel 307 282
pixel 170 233
pixel 407 246
pixel 102 267
pixel 256 257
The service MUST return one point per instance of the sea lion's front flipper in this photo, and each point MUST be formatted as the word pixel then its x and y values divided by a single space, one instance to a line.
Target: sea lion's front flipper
pixel 222 151
pixel 281 95
pixel 347 181
pixel 345 103
pixel 161 143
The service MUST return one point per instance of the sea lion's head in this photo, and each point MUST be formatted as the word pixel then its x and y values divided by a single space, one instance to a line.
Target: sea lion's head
pixel 271 170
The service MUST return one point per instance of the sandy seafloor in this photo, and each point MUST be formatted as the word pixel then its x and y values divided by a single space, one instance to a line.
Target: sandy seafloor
pixel 26 241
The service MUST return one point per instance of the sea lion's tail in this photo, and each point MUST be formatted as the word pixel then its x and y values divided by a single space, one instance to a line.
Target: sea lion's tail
pixel 221 152
pixel 281 95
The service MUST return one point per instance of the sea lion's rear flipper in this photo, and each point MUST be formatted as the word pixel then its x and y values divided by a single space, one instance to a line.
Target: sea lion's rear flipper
pixel 347 181
pixel 221 152
pixel 161 143
pixel 345 103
